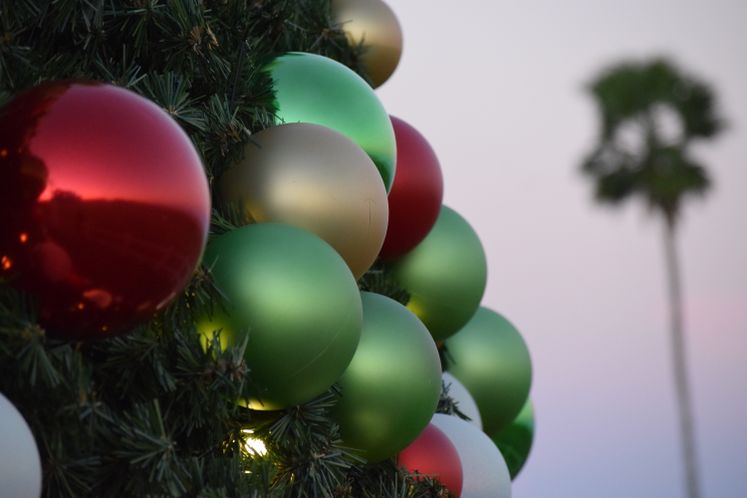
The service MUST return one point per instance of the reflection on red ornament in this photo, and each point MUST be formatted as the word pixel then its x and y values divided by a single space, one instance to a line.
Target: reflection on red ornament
pixel 104 202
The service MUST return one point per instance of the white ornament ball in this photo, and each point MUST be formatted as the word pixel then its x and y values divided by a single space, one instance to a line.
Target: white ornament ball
pixel 20 466
pixel 484 471
pixel 465 402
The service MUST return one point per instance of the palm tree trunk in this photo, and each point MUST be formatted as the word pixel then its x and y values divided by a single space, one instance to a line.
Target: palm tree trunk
pixel 679 361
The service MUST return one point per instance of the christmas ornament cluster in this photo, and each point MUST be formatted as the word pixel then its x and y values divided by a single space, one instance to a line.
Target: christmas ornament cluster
pixel 106 211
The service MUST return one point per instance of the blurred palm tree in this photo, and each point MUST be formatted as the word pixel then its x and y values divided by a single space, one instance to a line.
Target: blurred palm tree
pixel 651 113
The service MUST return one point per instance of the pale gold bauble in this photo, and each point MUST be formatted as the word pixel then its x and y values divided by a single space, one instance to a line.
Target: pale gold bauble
pixel 315 178
pixel 372 23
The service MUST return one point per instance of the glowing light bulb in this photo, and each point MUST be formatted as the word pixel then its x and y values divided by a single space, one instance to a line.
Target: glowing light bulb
pixel 254 446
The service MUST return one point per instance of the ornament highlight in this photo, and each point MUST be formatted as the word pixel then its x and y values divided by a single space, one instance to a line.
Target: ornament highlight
pixel 417 192
pixel 432 454
pixel 489 356
pixel 105 206
pixel 391 387
pixel 372 23
pixel 445 275
pixel 315 178
pixel 312 88
pixel 20 466
pixel 464 400
pixel 298 302
pixel 515 440
pixel 483 469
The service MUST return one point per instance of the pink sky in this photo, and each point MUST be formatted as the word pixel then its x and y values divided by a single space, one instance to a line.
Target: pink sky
pixel 497 88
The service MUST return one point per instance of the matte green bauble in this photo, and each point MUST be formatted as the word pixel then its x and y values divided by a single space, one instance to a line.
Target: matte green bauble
pixel 445 275
pixel 311 88
pixel 489 356
pixel 297 300
pixel 515 441
pixel 391 388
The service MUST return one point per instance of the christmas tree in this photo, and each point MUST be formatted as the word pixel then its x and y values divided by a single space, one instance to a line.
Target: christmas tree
pixel 166 405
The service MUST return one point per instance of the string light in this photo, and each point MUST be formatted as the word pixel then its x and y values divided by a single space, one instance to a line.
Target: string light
pixel 254 446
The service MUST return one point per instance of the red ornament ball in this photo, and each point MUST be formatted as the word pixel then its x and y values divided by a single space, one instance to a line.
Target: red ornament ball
pixel 416 195
pixel 104 202
pixel 434 455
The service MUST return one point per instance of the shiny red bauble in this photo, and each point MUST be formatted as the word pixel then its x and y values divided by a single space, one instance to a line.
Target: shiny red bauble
pixel 104 206
pixel 434 455
pixel 416 195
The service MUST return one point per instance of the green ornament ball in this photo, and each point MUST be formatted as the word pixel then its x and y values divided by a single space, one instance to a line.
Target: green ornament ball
pixel 295 297
pixel 311 88
pixel 445 275
pixel 491 359
pixel 392 386
pixel 515 440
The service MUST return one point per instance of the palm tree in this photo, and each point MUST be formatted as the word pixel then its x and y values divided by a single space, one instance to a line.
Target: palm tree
pixel 651 112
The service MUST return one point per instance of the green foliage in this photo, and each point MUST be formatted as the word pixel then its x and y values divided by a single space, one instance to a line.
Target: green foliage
pixel 634 100
pixel 151 413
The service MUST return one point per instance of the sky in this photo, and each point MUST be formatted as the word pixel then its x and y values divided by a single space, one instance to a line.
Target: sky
pixel 498 90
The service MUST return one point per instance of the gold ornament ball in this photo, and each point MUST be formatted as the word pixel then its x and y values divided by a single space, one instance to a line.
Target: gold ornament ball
pixel 372 23
pixel 315 178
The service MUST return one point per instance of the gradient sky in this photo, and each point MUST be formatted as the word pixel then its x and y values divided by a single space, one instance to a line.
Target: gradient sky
pixel 497 88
